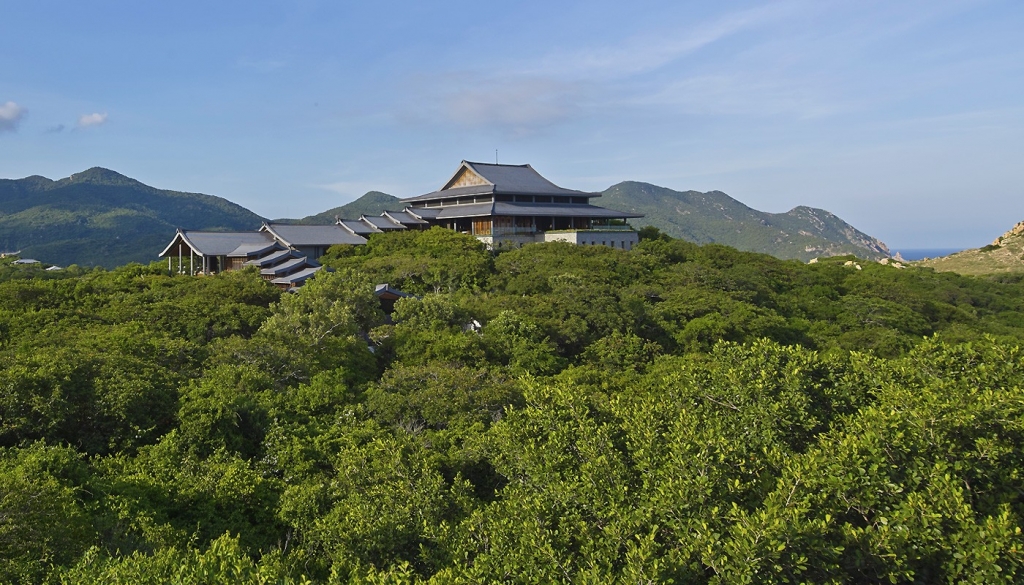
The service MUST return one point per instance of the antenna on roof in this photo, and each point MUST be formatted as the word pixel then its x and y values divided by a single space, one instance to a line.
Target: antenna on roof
pixel 495 156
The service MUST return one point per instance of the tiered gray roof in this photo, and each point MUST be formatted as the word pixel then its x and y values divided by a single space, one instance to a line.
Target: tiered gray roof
pixel 290 265
pixel 274 258
pixel 247 249
pixel 405 218
pixel 382 223
pixel 530 209
pixel 298 277
pixel 312 235
pixel 357 227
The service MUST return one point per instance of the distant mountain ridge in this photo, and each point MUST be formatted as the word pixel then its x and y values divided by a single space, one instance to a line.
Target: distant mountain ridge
pixel 102 218
pixel 372 203
pixel 801 233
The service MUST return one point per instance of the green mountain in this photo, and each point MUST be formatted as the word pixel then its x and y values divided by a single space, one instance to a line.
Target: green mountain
pixel 802 232
pixel 373 203
pixel 1004 255
pixel 102 218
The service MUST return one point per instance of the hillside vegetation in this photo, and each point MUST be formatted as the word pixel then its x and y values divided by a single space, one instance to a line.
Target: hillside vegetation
pixel 1003 256
pixel 101 218
pixel 372 203
pixel 802 233
pixel 553 414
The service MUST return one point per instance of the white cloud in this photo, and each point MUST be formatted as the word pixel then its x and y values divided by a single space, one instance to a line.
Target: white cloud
pixel 511 104
pixel 519 106
pixel 11 114
pixel 89 120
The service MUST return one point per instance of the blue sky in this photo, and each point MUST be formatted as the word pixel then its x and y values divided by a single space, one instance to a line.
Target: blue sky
pixel 906 118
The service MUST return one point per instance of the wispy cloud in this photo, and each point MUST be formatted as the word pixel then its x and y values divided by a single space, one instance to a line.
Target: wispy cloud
pixel 511 104
pixel 652 51
pixel 744 94
pixel 90 120
pixel 519 106
pixel 11 115
pixel 55 129
pixel 521 99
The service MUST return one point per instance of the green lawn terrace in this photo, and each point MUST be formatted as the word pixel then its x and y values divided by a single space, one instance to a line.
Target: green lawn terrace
pixel 501 205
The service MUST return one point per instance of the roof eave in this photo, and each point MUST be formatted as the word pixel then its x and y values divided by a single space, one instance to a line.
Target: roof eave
pixel 270 229
pixel 180 233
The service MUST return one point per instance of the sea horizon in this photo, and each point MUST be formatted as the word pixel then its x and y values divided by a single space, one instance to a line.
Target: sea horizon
pixel 911 254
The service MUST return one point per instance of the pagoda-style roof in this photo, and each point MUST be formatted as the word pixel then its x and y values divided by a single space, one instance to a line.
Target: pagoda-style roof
pixel 474 178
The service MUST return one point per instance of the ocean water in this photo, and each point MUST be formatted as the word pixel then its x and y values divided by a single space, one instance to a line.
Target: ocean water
pixel 922 253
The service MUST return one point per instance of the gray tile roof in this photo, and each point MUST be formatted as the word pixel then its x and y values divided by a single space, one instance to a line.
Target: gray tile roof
pixel 519 179
pixel 404 218
pixel 382 223
pixel 313 235
pixel 559 209
pixel 254 249
pixel 531 209
pixel 359 227
pixel 288 265
pixel 217 243
pixel 388 291
pixel 425 212
pixel 297 278
pixel 504 179
pixel 271 259
pixel 470 210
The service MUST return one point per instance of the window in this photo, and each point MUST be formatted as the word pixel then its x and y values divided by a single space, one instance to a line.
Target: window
pixel 482 227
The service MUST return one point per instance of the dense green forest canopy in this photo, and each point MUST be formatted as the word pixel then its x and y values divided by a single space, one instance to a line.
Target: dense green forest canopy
pixel 556 413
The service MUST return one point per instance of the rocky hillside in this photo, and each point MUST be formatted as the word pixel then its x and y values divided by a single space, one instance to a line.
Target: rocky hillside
pixel 1004 255
pixel 802 233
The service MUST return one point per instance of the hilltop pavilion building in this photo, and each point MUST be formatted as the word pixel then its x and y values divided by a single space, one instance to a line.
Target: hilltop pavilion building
pixel 502 205
pixel 513 205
